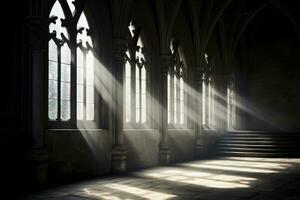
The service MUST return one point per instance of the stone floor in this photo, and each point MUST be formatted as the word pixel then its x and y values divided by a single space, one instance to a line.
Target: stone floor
pixel 221 178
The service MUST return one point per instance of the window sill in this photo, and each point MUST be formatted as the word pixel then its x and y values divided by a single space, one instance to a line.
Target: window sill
pixel 180 129
pixel 100 131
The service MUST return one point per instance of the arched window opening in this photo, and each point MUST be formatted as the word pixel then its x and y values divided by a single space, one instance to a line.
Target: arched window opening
pixel 203 100
pixel 135 80
pixel 70 66
pixel 176 93
pixel 208 97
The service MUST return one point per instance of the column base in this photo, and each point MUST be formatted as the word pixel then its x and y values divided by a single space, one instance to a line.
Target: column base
pixel 118 159
pixel 164 154
pixel 199 148
pixel 37 165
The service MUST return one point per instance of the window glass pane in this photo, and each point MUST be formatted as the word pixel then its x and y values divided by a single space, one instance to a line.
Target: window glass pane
pixel 144 115
pixel 143 74
pixel 169 97
pixel 143 95
pixel 79 111
pixel 209 103
pixel 203 102
pixel 137 93
pixel 65 91
pixel 213 106
pixel 65 73
pixel 89 111
pixel 65 110
pixel 90 78
pixel 80 93
pixel 79 58
pixel 52 91
pixel 90 94
pixel 137 112
pixel 52 109
pixel 52 70
pixel 174 97
pixel 79 75
pixel 52 52
pixel 65 54
pixel 181 102
pixel 90 61
pixel 127 91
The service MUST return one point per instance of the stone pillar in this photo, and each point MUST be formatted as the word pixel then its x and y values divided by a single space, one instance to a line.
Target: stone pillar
pixel 118 149
pixel 37 29
pixel 222 101
pixel 198 110
pixel 164 150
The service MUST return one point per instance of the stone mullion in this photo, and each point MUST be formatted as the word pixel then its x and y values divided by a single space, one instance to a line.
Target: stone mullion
pixel 73 101
pixel 133 92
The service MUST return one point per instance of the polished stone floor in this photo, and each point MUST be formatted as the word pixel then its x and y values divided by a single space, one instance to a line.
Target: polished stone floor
pixel 220 178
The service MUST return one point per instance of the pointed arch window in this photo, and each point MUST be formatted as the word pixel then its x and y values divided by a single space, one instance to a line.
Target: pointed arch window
pixel 70 64
pixel 208 97
pixel 176 90
pixel 135 79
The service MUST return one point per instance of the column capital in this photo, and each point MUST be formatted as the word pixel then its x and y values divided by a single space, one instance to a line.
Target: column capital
pixel 199 71
pixel 119 156
pixel 119 49
pixel 166 62
pixel 37 28
pixel 164 153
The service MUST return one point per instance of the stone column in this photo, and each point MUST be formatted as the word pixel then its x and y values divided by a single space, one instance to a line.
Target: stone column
pixel 198 110
pixel 37 29
pixel 118 149
pixel 222 102
pixel 164 150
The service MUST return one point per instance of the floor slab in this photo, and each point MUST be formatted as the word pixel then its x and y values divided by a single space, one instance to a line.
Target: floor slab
pixel 219 178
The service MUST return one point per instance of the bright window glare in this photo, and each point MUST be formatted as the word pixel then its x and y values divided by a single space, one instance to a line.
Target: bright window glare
pixel 60 70
pixel 128 91
pixel 136 84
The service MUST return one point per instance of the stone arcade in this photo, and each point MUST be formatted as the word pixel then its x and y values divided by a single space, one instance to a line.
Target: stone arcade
pixel 150 99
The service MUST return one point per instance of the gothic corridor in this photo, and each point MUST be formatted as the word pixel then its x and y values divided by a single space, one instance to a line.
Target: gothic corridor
pixel 150 99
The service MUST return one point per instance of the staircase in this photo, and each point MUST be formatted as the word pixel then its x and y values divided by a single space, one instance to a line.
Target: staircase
pixel 259 144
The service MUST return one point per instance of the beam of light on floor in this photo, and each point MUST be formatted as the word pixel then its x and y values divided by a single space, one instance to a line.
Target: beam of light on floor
pixel 143 193
pixel 230 168
pixel 258 165
pixel 205 179
pixel 104 195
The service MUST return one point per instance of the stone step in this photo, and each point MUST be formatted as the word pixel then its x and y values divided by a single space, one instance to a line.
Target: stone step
pixel 258 154
pixel 260 138
pixel 268 144
pixel 261 145
pixel 244 149
pixel 258 142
